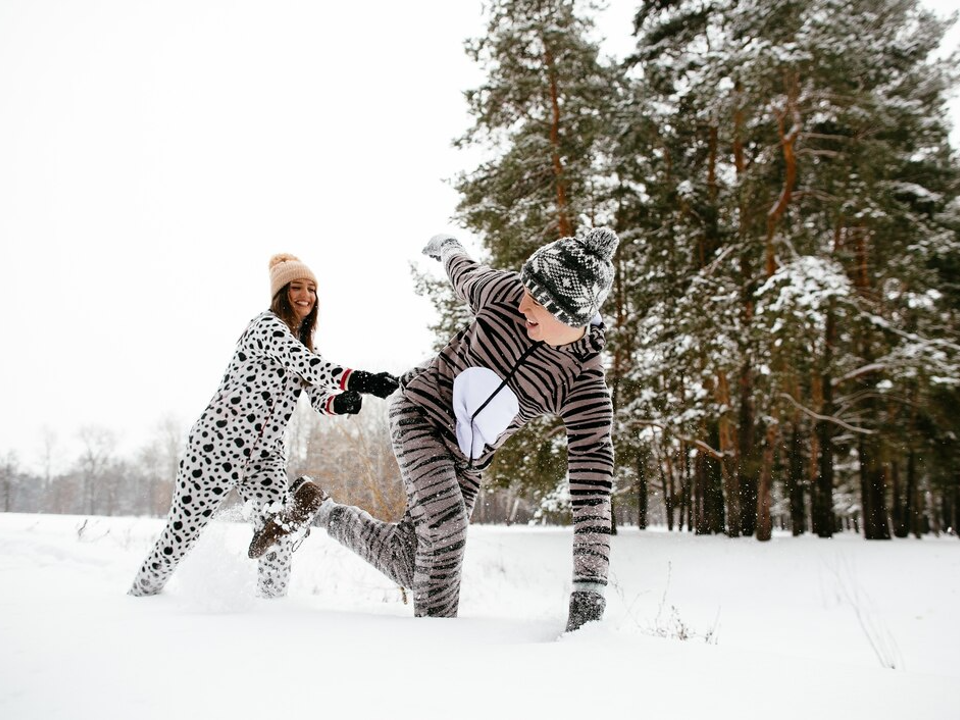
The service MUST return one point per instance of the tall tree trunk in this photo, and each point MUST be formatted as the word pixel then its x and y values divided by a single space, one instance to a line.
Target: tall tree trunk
pixel 789 136
pixel 749 465
pixel 872 490
pixel 641 491
pixel 715 508
pixel 713 134
pixel 708 485
pixel 716 519
pixel 822 510
pixel 913 497
pixel 730 464
pixel 953 515
pixel 764 493
pixel 813 467
pixel 684 487
pixel 666 483
pixel 901 504
pixel 710 239
pixel 764 474
pixel 798 523
pixel 699 493
pixel 873 499
pixel 936 514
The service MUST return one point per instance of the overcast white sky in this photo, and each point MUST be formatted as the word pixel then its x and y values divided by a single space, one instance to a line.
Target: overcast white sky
pixel 154 155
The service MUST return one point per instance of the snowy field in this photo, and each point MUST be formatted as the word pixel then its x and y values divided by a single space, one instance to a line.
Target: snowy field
pixel 695 627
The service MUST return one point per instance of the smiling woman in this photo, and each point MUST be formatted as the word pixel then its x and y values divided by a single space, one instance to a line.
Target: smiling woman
pixel 303 297
pixel 238 442
pixel 294 290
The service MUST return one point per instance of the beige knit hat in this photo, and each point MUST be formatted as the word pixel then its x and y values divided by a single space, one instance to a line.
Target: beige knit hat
pixel 286 268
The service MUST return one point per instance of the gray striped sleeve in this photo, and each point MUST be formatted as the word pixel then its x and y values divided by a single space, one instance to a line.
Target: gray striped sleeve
pixel 588 416
pixel 474 283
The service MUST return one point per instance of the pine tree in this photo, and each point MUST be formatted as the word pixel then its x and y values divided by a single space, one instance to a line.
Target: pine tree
pixel 801 169
pixel 540 115
pixel 785 291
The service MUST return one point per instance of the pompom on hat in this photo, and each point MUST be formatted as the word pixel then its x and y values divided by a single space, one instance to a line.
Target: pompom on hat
pixel 285 268
pixel 572 276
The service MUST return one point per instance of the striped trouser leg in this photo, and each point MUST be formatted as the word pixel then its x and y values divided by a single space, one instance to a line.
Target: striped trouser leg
pixel 424 551
pixel 389 547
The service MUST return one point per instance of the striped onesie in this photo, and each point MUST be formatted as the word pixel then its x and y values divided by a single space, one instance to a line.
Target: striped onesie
pixel 451 416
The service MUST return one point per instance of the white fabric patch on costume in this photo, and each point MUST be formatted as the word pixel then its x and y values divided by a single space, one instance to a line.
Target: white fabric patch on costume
pixel 471 389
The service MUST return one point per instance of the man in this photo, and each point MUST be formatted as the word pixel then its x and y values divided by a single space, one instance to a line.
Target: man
pixel 532 349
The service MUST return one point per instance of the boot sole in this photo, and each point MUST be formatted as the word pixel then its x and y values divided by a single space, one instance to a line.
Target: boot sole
pixel 306 502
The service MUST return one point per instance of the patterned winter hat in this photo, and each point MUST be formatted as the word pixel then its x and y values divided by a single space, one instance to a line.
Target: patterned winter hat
pixel 572 276
pixel 287 268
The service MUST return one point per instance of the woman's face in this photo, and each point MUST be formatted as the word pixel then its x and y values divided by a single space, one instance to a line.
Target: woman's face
pixel 302 295
pixel 541 325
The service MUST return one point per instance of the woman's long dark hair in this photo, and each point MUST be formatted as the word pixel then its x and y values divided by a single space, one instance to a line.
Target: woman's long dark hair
pixel 282 308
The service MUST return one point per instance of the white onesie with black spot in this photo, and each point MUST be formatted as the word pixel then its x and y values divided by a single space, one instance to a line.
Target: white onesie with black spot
pixel 238 442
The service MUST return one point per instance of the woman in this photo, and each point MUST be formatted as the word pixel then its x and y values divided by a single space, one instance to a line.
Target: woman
pixel 238 442
pixel 533 348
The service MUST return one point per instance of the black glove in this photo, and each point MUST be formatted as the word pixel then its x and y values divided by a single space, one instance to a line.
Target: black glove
pixel 347 403
pixel 379 384
pixel 584 607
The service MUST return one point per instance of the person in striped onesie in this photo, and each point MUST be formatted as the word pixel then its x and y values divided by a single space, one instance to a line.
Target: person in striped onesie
pixel 533 348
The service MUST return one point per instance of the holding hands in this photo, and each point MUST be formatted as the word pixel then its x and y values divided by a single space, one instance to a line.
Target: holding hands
pixel 350 400
pixel 380 384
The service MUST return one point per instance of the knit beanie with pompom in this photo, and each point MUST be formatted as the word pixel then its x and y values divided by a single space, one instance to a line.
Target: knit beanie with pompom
pixel 572 276
pixel 286 268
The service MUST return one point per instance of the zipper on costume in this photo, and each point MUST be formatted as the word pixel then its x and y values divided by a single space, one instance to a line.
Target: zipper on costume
pixel 527 353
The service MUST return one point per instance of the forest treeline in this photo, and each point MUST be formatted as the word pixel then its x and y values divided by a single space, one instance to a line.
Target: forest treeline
pixel 782 334
pixel 350 456
pixel 783 329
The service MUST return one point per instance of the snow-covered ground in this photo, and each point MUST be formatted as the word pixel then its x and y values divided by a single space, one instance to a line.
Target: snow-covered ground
pixel 695 627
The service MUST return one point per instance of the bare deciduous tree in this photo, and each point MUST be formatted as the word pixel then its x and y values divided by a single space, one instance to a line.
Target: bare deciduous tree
pixel 99 444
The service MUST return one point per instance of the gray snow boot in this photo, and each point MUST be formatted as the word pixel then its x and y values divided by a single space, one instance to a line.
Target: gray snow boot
pixel 307 497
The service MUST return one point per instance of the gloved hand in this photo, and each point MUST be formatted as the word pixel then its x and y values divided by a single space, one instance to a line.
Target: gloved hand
pixel 434 247
pixel 347 403
pixel 380 384
pixel 584 607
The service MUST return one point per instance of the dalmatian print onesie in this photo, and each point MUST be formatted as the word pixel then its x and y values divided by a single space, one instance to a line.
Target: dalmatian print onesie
pixel 238 442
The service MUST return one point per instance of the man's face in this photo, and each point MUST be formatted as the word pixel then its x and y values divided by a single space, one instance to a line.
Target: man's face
pixel 543 326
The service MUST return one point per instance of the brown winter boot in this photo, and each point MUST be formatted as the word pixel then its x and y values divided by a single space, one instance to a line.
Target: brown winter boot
pixel 306 500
